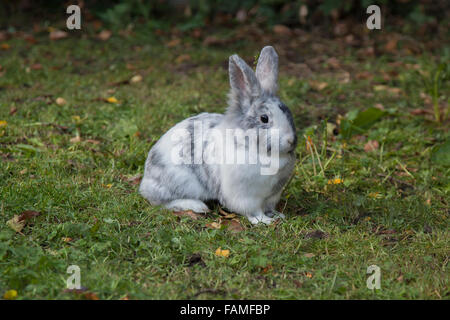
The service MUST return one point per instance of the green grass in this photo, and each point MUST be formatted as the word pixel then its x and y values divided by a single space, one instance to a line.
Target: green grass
pixel 391 210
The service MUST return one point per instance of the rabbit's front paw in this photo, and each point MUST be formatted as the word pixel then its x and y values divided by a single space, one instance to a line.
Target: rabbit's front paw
pixel 260 218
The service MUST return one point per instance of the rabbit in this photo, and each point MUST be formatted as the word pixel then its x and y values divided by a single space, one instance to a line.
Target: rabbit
pixel 240 187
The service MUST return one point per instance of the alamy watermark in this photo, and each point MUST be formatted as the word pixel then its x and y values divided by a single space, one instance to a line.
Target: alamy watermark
pixel 74 20
pixel 228 147
pixel 74 280
pixel 374 20
pixel 374 280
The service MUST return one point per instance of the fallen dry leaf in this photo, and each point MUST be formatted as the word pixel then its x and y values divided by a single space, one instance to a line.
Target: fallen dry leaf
pixel 36 66
pixel 28 214
pixel 214 41
pixel 111 100
pixel 233 225
pixel 173 43
pixel 10 295
pixel 16 224
pixel 182 58
pixel 104 35
pixel 364 75
pixel 281 30
pixel 75 139
pixel 90 296
pixel 417 112
pixel 391 45
pixel 3 123
pixel 213 225
pixel 309 255
pixel 222 253
pixel 318 85
pixel 334 63
pixel 5 46
pixel 135 79
pixel 60 101
pixel 371 145
pixel 58 34
pixel 189 213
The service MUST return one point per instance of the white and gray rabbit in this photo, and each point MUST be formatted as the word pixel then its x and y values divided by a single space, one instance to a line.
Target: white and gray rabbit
pixel 239 186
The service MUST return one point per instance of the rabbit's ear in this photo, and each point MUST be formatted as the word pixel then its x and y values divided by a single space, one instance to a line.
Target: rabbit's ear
pixel 244 85
pixel 267 70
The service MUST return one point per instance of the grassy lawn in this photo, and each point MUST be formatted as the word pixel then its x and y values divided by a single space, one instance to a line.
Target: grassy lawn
pixel 378 196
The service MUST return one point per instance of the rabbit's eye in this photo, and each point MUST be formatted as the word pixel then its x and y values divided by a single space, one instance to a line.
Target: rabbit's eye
pixel 264 118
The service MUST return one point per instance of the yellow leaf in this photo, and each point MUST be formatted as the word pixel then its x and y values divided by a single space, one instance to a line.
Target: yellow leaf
pixel 109 185
pixel 10 295
pixel 222 253
pixel 16 224
pixel 5 46
pixel 3 123
pixel 112 100
pixel 335 181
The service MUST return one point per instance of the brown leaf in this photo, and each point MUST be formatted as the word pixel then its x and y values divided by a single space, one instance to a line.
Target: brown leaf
pixel 173 43
pixel 189 213
pixel 58 34
pixel 28 214
pixel 36 66
pixel 90 296
pixel 182 58
pixel 12 111
pixel 318 85
pixel 233 225
pixel 282 30
pixel 365 75
pixel 391 45
pixel 214 41
pixel 309 255
pixel 334 63
pixel 371 145
pixel 417 112
pixel 104 35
